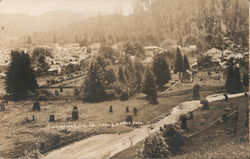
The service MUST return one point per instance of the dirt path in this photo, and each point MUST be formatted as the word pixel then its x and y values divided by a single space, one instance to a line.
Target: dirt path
pixel 107 145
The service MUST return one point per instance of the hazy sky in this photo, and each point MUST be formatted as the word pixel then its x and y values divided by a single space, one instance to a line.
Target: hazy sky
pixel 37 7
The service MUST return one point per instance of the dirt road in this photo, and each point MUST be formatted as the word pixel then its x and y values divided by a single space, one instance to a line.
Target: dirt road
pixel 107 145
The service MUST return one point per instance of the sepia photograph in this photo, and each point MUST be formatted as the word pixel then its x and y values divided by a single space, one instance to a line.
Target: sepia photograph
pixel 98 79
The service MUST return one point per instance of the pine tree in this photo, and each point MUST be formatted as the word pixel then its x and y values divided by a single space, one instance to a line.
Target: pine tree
pixel 161 70
pixel 179 67
pixel 21 80
pixel 149 87
pixel 186 65
pixel 94 90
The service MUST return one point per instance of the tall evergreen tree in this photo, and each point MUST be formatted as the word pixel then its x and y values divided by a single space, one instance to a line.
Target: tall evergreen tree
pixel 109 76
pixel 94 89
pixel 161 70
pixel 186 65
pixel 179 67
pixel 149 87
pixel 21 80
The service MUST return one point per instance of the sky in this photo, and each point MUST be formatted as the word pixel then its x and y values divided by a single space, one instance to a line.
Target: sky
pixel 38 7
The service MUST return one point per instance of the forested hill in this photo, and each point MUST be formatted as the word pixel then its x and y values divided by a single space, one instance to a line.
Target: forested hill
pixel 201 22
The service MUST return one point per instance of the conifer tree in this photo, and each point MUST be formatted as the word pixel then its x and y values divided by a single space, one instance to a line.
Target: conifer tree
pixel 161 70
pixel 21 80
pixel 179 67
pixel 149 87
pixel 245 79
pixel 94 89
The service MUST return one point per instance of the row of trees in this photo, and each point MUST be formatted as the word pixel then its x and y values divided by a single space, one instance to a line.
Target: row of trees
pixel 106 77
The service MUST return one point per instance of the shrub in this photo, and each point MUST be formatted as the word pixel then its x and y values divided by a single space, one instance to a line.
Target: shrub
pixel 183 119
pixel 57 93
pixel 154 147
pixel 129 118
pixel 124 96
pixel 205 104
pixel 74 114
pixel 196 92
pixel 173 138
pixel 52 118
pixel 42 97
pixel 110 94
pixel 135 111
pixel 36 106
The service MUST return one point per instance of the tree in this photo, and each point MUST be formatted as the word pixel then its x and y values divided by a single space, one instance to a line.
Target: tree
pixel 205 62
pixel 149 87
pixel 179 67
pixel 121 75
pixel 109 76
pixel 161 70
pixel 233 81
pixel 186 65
pixel 21 80
pixel 94 89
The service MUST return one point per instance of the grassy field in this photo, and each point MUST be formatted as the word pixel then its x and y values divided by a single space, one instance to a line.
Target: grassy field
pixel 207 143
pixel 17 134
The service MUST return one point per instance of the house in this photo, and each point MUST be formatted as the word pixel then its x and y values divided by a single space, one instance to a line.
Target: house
pixel 187 77
pixel 55 69
pixel 151 50
pixel 214 53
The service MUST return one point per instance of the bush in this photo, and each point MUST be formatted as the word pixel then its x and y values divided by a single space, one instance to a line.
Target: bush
pixel 52 118
pixel 135 111
pixel 183 119
pixel 205 104
pixel 74 114
pixel 154 147
pixel 124 96
pixel 36 106
pixel 44 95
pixel 129 118
pixel 57 93
pixel 110 94
pixel 173 138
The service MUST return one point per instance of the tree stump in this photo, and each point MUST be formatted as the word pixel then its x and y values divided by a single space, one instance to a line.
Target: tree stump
pixel 33 117
pixel 111 109
pixel 2 107
pixel 74 115
pixel 52 118
pixel 36 106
